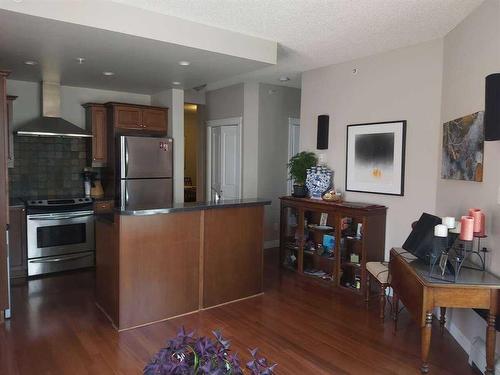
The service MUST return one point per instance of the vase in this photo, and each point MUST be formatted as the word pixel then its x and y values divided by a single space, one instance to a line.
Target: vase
pixel 319 179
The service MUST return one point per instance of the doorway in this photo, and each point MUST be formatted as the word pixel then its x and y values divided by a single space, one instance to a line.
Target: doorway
pixel 193 139
pixel 224 158
pixel 293 144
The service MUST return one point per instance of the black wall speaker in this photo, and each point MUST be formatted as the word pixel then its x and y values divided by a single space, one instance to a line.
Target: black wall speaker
pixel 492 108
pixel 322 138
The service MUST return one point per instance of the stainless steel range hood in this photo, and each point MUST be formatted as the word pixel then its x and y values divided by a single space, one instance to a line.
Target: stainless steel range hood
pixel 50 124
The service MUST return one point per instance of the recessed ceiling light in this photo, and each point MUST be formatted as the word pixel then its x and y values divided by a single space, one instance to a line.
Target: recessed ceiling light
pixel 31 62
pixel 80 60
pixel 108 73
pixel 177 83
pixel 184 63
pixel 284 79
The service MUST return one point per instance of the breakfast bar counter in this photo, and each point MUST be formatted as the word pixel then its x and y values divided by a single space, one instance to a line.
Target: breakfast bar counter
pixel 156 263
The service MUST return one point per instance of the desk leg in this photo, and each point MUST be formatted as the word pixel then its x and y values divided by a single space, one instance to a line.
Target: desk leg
pixel 426 342
pixel 490 344
pixel 442 319
pixel 395 312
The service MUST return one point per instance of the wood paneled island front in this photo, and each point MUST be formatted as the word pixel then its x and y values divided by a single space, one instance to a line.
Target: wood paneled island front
pixel 153 264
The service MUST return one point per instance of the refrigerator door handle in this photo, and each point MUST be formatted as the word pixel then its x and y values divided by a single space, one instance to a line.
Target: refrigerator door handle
pixel 126 158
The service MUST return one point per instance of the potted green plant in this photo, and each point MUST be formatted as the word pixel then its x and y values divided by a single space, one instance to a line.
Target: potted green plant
pixel 297 167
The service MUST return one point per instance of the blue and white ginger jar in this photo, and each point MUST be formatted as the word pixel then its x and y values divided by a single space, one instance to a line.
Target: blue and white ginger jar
pixel 319 179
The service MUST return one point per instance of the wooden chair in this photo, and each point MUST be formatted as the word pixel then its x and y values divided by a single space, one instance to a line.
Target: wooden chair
pixel 378 272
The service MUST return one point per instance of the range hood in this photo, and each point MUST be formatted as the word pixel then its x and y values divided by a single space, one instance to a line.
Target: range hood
pixel 50 124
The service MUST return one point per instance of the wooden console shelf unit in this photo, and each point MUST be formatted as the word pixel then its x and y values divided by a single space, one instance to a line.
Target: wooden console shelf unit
pixel 359 226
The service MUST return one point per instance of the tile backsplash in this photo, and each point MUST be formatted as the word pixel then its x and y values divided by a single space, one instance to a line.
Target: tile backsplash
pixel 47 166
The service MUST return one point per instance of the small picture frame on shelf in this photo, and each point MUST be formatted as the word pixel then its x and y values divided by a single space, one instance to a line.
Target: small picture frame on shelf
pixel 323 219
pixel 442 263
pixel 359 231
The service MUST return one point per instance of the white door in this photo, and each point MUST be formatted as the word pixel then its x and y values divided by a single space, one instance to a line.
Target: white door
pixel 225 161
pixel 293 143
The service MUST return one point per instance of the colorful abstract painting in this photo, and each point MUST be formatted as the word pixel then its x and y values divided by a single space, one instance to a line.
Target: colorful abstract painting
pixel 463 148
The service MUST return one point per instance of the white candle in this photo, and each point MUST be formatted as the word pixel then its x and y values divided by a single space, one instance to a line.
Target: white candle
pixel 441 230
pixel 449 222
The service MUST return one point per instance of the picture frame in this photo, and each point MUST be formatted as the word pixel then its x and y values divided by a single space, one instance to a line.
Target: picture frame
pixel 323 219
pixel 375 157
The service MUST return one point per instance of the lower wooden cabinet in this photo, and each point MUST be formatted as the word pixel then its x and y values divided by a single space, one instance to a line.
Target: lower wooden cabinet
pixel 17 242
pixel 104 207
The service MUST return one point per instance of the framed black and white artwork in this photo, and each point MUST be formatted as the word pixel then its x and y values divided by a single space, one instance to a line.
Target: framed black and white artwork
pixel 375 161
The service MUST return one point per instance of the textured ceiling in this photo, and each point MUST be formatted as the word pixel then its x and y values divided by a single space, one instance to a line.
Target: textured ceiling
pixel 315 33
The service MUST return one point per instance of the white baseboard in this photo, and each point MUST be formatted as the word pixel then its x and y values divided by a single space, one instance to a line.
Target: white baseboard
pixel 271 244
pixel 457 334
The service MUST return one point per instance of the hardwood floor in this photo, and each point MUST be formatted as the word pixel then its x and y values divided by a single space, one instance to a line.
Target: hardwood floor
pixel 303 326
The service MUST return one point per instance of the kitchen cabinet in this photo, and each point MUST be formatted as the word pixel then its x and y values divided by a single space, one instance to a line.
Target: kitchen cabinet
pixel 104 206
pixel 126 117
pixel 17 242
pixel 96 122
pixel 154 119
pixel 137 117
pixel 10 134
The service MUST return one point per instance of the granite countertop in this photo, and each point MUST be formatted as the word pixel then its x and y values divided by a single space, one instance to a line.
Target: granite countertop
pixel 192 206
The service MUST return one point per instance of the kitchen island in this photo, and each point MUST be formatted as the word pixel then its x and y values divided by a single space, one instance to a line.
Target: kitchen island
pixel 157 263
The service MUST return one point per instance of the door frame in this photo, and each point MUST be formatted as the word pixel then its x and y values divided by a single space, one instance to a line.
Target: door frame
pixel 292 121
pixel 211 124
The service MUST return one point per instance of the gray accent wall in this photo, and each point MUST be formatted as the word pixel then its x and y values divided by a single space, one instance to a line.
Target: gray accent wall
pixel 225 103
pixel 276 105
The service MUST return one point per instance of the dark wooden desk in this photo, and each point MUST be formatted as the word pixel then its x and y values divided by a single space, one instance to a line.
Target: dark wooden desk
pixel 420 294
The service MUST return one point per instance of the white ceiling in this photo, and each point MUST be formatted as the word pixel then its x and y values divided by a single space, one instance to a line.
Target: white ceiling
pixel 141 65
pixel 143 42
pixel 315 33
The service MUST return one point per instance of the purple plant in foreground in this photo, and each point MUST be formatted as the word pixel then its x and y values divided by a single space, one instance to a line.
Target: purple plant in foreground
pixel 189 355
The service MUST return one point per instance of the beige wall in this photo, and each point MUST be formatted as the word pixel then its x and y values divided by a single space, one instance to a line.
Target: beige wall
pixel 191 143
pixel 471 52
pixel 276 105
pixel 400 85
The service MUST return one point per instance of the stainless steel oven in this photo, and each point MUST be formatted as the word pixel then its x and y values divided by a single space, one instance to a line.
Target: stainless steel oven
pixel 60 235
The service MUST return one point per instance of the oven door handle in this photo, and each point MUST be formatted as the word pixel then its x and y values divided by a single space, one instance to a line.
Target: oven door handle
pixel 58 217
pixel 60 259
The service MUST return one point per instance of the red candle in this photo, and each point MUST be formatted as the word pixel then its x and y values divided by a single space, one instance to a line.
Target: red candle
pixel 467 228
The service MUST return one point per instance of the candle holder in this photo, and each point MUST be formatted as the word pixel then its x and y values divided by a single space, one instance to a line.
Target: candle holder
pixel 439 250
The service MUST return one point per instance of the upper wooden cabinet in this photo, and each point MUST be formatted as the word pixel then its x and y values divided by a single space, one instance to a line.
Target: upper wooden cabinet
pixel 138 117
pixel 126 117
pixel 96 120
pixel 155 119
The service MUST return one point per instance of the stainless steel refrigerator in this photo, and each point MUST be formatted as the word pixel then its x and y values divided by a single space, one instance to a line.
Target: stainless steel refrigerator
pixel 145 172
